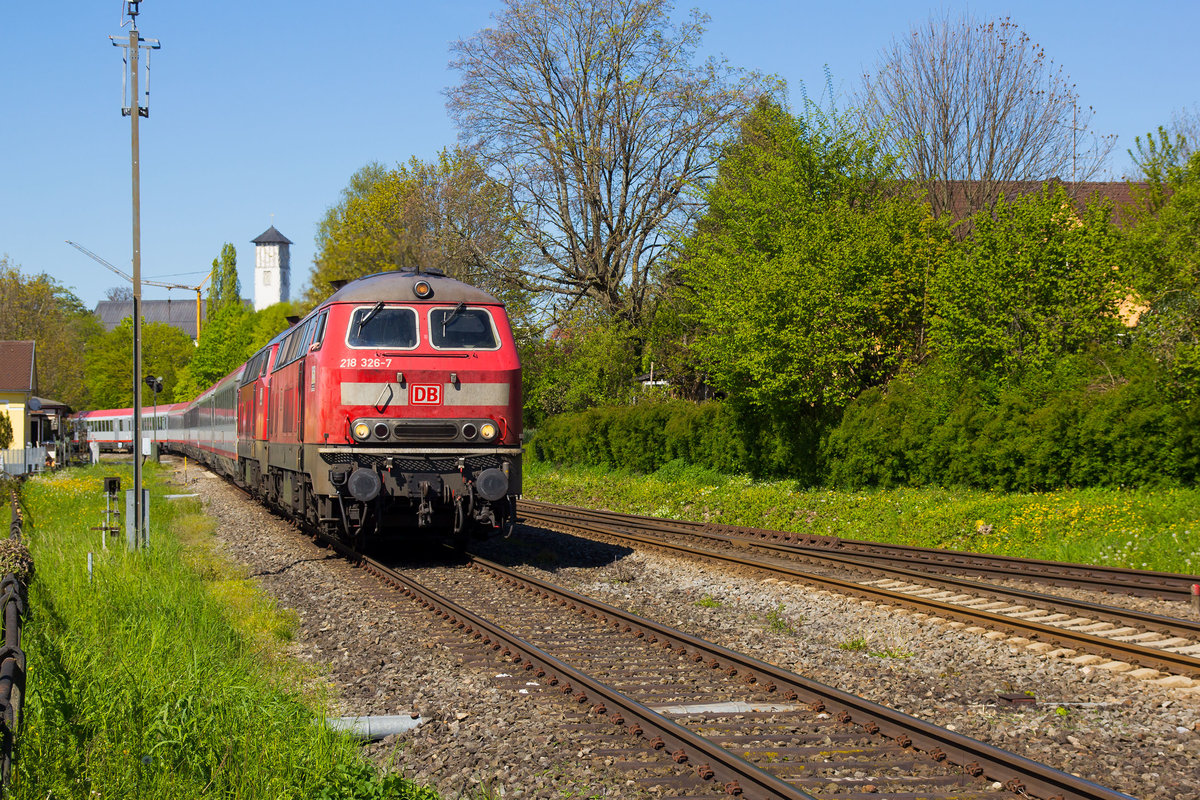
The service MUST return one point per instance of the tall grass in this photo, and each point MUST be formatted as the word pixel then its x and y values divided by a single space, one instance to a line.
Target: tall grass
pixel 1140 529
pixel 162 676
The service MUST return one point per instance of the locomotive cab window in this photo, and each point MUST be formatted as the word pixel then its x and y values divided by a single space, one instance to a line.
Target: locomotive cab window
pixel 378 326
pixel 462 328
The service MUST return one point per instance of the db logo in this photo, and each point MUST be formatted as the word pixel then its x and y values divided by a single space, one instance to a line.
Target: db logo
pixel 425 395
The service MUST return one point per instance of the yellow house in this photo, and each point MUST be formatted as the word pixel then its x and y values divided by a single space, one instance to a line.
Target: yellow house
pixel 18 385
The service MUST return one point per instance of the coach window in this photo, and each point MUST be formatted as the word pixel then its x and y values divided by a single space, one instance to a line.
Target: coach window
pixel 462 328
pixel 379 326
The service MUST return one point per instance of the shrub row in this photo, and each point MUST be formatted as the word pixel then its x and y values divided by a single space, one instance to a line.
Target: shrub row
pixel 1120 433
pixel 644 436
pixel 916 432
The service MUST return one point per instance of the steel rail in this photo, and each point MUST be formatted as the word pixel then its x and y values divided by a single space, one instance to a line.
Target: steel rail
pixel 711 761
pixel 1016 772
pixel 1170 585
pixel 1110 648
pixel 1174 626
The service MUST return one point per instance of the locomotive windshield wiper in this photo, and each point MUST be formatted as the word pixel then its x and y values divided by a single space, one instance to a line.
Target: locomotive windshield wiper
pixel 458 309
pixel 370 315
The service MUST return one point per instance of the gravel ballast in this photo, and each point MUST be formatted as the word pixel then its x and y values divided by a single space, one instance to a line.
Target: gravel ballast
pixel 482 736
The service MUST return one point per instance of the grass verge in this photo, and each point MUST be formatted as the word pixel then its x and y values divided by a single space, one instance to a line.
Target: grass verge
pixel 1140 529
pixel 163 675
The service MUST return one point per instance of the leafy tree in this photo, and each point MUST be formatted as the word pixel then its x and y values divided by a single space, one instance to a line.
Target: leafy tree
pixel 1159 161
pixel 809 277
pixel 226 342
pixel 108 361
pixel 588 360
pixel 37 307
pixel 979 108
pixel 1034 281
pixel 225 289
pixel 1166 251
pixel 6 431
pixel 596 118
pixel 447 215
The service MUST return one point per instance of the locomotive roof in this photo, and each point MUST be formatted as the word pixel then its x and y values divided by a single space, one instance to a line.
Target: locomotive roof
pixel 398 287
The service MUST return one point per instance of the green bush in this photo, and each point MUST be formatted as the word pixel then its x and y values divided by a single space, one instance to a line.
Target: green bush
pixel 1114 429
pixel 644 436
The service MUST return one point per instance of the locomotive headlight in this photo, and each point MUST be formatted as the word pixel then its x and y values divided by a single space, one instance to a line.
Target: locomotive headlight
pixel 362 430
pixel 488 430
pixel 422 289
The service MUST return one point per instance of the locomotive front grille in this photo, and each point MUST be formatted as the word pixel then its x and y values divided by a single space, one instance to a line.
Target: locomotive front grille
pixel 425 429
pixel 438 464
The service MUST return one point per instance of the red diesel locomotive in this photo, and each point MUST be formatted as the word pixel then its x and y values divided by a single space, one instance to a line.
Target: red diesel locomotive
pixel 395 404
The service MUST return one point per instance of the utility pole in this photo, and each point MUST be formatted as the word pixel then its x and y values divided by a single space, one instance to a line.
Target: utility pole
pixel 135 110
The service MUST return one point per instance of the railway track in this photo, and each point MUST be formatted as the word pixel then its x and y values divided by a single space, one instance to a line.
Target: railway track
pixel 1167 585
pixel 691 716
pixel 1159 644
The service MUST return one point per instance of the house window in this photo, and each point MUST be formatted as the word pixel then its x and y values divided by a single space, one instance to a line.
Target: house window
pixel 266 279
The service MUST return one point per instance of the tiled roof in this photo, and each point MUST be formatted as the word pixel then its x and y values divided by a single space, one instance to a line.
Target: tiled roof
pixel 1121 193
pixel 271 236
pixel 180 313
pixel 16 367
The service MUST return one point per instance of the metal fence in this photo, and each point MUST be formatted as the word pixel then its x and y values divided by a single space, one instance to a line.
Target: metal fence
pixel 23 462
pixel 12 657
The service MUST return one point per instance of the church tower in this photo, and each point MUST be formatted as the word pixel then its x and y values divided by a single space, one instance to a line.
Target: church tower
pixel 272 268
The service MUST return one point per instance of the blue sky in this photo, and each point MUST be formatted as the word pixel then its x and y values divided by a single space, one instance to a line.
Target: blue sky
pixel 267 107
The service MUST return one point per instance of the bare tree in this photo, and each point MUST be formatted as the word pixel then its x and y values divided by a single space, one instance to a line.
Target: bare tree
pixel 594 116
pixel 1185 124
pixel 123 294
pixel 978 109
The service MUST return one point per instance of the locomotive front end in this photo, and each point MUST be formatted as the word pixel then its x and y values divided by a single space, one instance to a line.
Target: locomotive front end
pixel 418 384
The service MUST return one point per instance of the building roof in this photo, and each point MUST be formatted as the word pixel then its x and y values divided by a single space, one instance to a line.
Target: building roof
pixel 1122 194
pixel 180 313
pixel 271 236
pixel 17 368
pixel 48 405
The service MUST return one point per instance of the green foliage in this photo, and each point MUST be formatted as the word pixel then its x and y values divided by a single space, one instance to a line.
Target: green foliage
pixel 6 431
pixel 1034 281
pixel 147 681
pixel 588 360
pixel 644 436
pixel 1098 420
pixel 1165 249
pixel 166 351
pixel 778 622
pixel 1159 159
pixel 708 601
pixel 809 280
pixel 37 307
pixel 225 343
pixel 447 215
pixel 226 289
